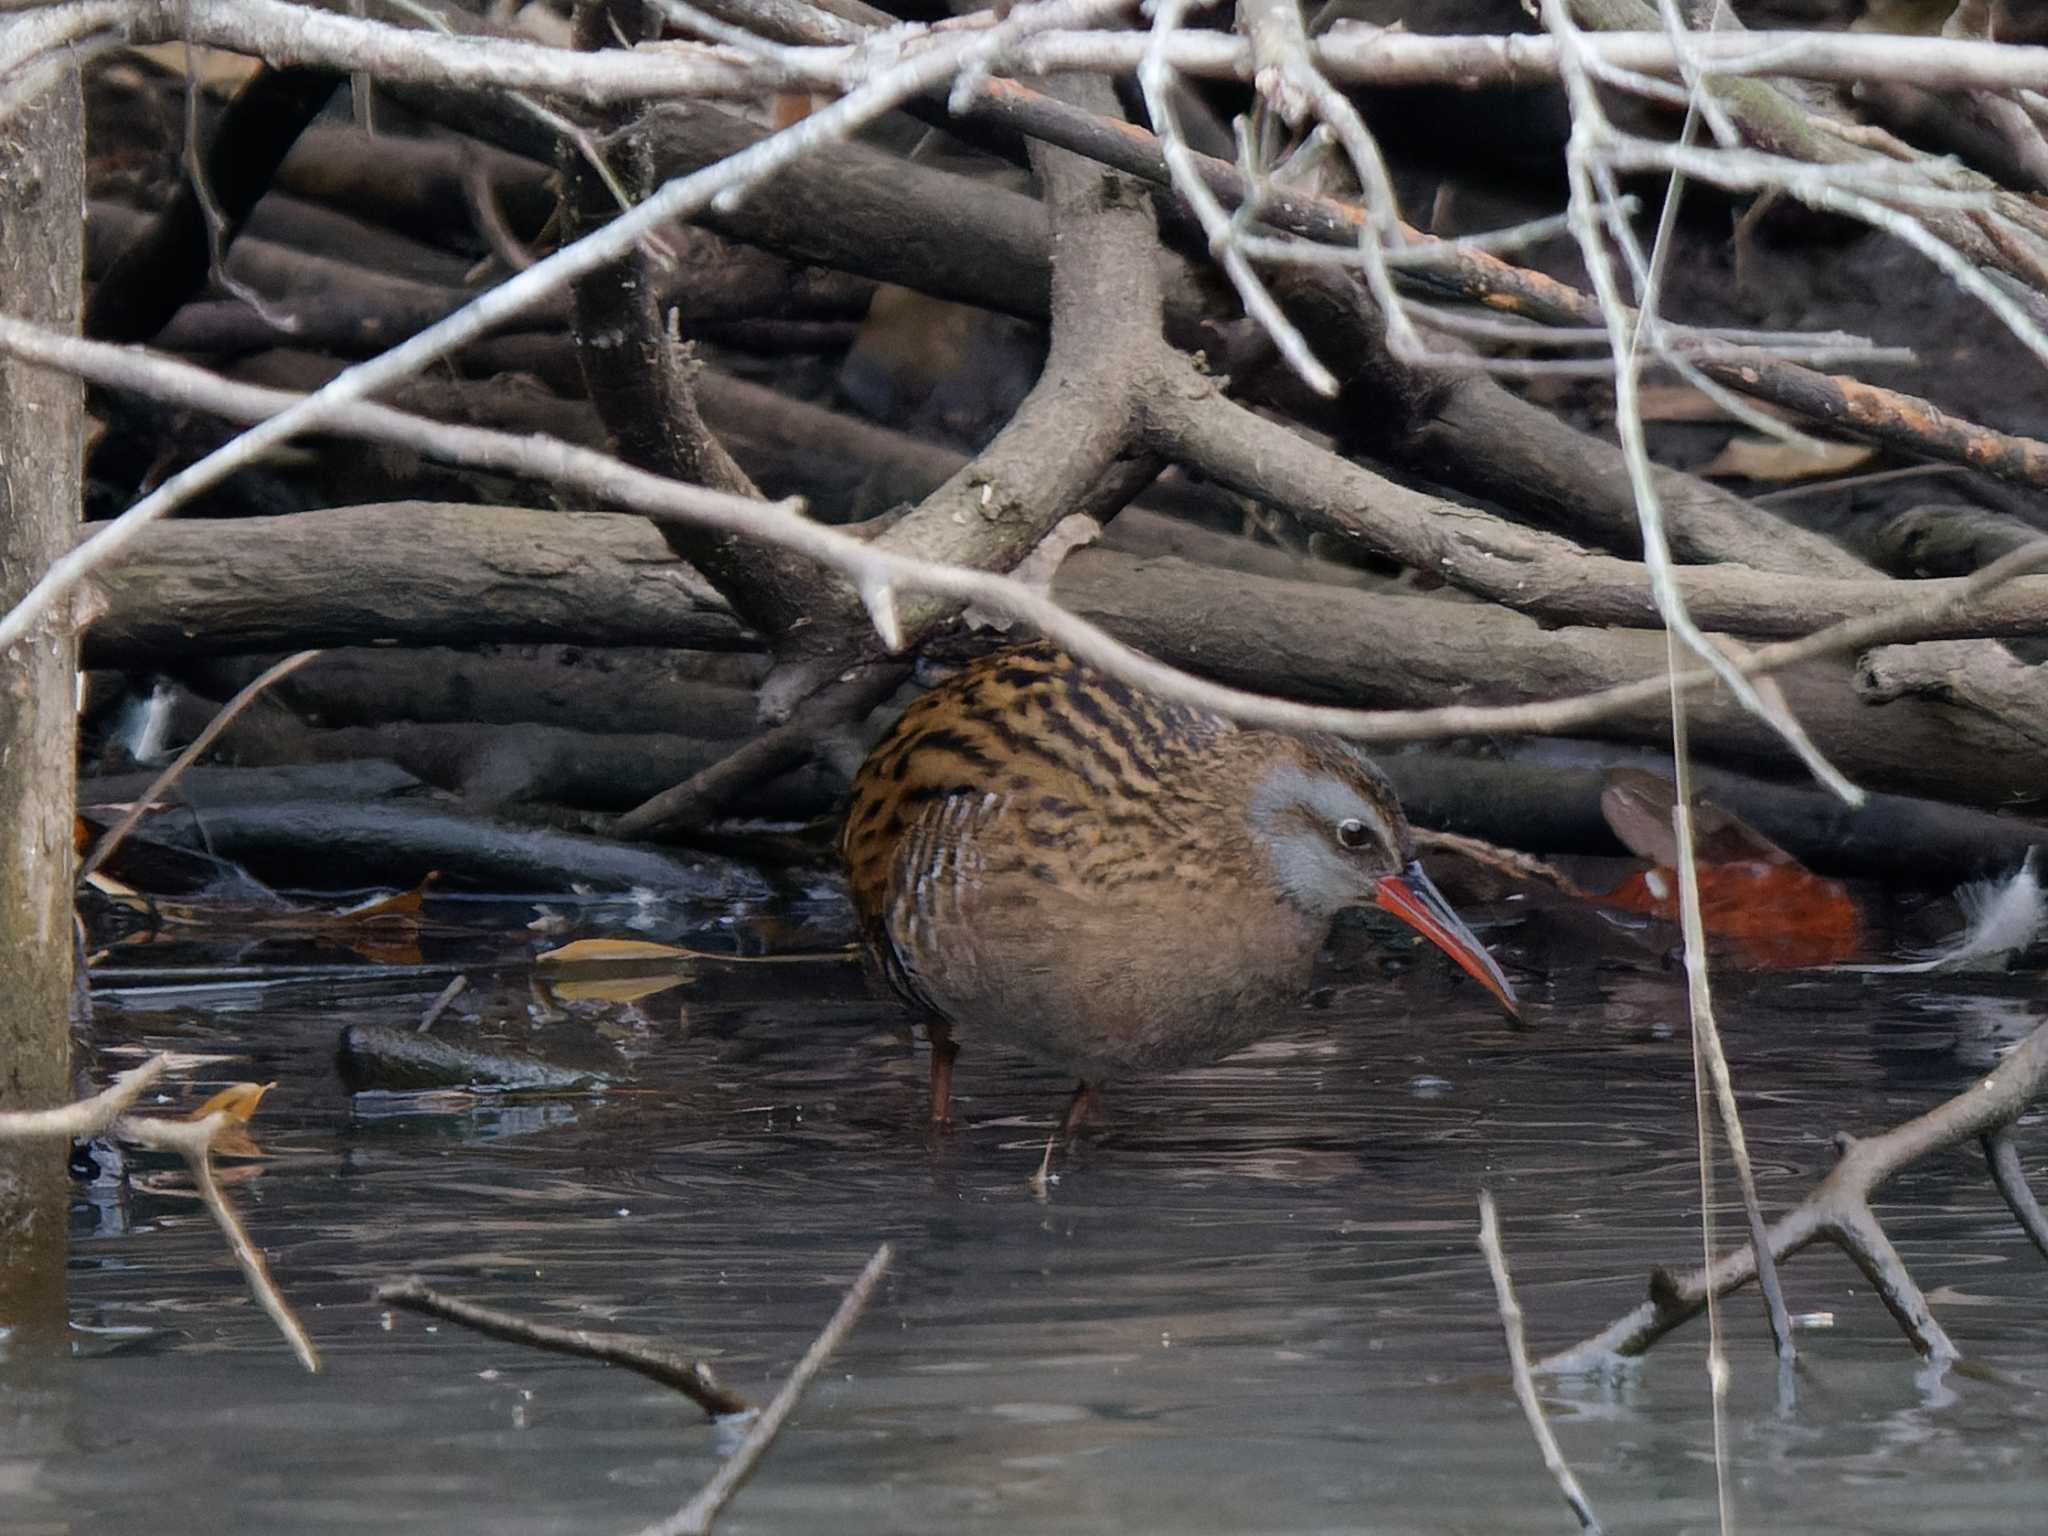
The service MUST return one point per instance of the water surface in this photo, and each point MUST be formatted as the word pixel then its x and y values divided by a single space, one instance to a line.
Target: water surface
pixel 1253 1304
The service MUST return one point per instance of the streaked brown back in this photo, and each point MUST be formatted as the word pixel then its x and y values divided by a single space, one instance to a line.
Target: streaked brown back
pixel 1084 774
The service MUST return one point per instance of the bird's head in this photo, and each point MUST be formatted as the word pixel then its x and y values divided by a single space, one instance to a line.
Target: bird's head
pixel 1336 836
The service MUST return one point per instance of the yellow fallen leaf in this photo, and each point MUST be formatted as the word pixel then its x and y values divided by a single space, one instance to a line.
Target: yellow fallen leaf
pixel 237 1101
pixel 115 891
pixel 211 66
pixel 1764 458
pixel 615 949
pixel 618 989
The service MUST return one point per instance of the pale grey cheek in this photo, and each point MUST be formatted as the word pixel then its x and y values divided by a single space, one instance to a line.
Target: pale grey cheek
pixel 1315 876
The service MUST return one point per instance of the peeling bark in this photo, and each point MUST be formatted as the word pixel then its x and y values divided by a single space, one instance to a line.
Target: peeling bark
pixel 42 189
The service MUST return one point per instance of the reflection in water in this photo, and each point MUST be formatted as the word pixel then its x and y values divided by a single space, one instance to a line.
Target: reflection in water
pixel 1253 1303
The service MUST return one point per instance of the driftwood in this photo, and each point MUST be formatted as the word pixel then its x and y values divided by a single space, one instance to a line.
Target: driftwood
pixel 1987 680
pixel 1554 809
pixel 493 766
pixel 400 843
pixel 529 576
pixel 575 688
pixel 1320 643
pixel 312 577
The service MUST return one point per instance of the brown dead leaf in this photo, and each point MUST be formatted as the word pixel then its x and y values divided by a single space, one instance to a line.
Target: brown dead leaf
pixel 233 1141
pixel 1637 805
pixel 398 904
pixel 1763 458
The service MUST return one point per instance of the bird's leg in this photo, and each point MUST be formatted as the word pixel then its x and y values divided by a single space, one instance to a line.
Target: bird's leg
pixel 943 1052
pixel 1084 1108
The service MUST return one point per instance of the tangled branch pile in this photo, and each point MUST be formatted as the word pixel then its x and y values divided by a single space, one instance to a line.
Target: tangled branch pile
pixel 1415 375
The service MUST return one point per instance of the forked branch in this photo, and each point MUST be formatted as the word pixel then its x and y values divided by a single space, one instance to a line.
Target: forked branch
pixel 1839 1211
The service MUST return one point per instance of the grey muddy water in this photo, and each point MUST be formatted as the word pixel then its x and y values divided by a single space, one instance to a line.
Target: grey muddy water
pixel 1253 1304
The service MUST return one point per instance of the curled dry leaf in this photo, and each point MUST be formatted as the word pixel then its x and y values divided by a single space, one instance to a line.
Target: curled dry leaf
pixel 238 1101
pixel 1763 458
pixel 1773 916
pixel 1774 912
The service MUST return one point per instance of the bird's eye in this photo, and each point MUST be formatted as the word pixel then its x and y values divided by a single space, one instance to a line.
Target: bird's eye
pixel 1352 833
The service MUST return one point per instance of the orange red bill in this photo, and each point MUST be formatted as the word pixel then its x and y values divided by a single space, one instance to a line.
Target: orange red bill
pixel 1413 897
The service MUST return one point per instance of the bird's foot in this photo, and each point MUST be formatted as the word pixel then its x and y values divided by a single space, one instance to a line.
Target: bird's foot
pixel 1040 1183
pixel 1083 1109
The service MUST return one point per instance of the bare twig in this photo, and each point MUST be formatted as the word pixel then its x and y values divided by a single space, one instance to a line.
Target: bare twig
pixel 1710 1059
pixel 1585 158
pixel 193 1141
pixel 87 1117
pixel 692 1378
pixel 1518 1361
pixel 439 1005
pixel 1285 73
pixel 703 796
pixel 2011 1178
pixel 229 712
pixel 1915 610
pixel 293 34
pixel 1156 77
pixel 721 183
pixel 695 1518
pixel 1785 376
pixel 1512 862
pixel 1838 1211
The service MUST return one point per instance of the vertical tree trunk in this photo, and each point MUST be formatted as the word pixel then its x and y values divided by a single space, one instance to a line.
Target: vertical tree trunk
pixel 42 198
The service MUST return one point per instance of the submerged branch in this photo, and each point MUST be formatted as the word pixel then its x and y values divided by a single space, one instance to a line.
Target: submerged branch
pixel 1839 1211
pixel 692 1378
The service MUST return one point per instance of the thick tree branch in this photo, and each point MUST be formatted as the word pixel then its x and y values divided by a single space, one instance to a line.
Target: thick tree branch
pixel 1306 639
pixel 1070 446
pixel 640 377
pixel 1462 428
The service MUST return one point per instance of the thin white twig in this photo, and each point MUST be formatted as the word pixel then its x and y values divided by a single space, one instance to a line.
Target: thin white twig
pixel 1710 1061
pixel 1698 998
pixel 1156 80
pixel 1285 73
pixel 1518 1362
pixel 1585 149
pixel 1713 1058
pixel 295 34
pixel 695 1518
pixel 1747 170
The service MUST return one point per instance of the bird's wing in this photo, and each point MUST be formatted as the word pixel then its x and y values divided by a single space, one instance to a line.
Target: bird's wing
pixel 933 904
